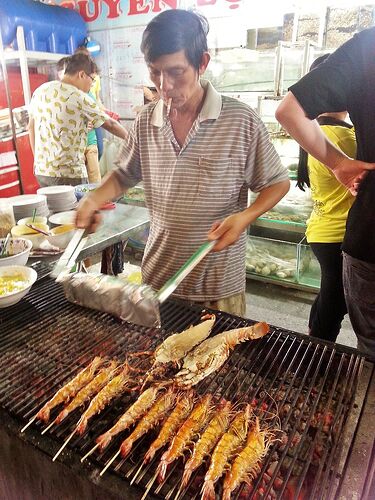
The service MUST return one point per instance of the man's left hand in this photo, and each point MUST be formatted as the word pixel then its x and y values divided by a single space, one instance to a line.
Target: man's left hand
pixel 228 231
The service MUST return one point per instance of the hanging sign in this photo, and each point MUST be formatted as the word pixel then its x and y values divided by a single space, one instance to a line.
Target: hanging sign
pixel 100 14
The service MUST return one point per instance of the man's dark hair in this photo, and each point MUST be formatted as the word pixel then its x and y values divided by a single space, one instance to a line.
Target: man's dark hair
pixel 175 30
pixel 80 62
pixel 62 63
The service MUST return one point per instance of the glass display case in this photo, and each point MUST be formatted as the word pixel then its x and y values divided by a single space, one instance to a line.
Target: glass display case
pixel 284 262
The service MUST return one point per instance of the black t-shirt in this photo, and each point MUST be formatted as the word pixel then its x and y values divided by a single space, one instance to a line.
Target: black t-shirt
pixel 346 81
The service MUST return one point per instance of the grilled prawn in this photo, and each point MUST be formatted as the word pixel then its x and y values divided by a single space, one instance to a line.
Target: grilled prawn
pixel 115 387
pixel 176 346
pixel 70 389
pixel 132 414
pixel 245 466
pixel 211 354
pixel 88 391
pixel 188 431
pixel 183 408
pixel 203 447
pixel 157 412
pixel 229 444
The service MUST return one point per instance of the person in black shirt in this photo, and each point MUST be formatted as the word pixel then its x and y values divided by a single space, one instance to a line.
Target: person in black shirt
pixel 345 81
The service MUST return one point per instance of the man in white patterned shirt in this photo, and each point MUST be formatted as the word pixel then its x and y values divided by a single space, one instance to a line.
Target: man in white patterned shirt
pixel 60 113
pixel 197 163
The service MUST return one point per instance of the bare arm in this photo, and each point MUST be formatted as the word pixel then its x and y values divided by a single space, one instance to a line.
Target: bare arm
pixel 31 128
pixel 309 135
pixel 230 229
pixel 115 128
pixel 108 190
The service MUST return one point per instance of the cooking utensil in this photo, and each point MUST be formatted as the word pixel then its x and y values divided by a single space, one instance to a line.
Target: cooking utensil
pixel 145 304
pixel 3 250
pixel 69 257
pixel 36 229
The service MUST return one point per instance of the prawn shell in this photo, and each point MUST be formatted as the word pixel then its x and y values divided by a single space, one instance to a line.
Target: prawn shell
pixel 246 464
pixel 176 346
pixel 184 405
pixel 70 389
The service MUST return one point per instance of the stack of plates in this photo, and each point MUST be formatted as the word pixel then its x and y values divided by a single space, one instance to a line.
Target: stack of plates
pixel 59 198
pixel 25 204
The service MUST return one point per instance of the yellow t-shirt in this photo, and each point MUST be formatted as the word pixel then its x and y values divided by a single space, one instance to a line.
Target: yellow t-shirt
pixel 96 87
pixel 331 200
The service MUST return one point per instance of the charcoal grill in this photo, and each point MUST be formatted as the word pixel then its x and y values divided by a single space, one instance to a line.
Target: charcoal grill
pixel 323 394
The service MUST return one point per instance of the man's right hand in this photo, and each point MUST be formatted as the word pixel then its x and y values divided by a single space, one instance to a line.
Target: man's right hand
pixel 352 172
pixel 87 215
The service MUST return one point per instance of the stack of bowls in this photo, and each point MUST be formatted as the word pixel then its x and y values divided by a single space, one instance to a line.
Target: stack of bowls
pixel 24 205
pixel 59 198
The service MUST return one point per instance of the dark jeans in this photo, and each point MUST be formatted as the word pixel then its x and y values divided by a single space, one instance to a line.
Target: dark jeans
pixel 359 287
pixel 329 307
pixel 99 140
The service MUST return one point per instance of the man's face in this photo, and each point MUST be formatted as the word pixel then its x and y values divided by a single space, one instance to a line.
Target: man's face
pixel 175 78
pixel 84 81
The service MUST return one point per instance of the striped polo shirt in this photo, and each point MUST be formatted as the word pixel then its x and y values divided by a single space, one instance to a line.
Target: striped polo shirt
pixel 188 188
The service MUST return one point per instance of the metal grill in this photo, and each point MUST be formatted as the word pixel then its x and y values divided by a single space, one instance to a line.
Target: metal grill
pixel 309 385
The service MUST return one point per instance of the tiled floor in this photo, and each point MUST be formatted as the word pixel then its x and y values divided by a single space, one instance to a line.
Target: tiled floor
pixel 287 308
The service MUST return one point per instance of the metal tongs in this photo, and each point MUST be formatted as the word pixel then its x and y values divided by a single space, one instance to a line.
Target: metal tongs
pixel 70 255
pixel 146 305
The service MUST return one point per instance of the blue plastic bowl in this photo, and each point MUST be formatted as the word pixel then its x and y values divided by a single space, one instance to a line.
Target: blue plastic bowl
pixel 82 189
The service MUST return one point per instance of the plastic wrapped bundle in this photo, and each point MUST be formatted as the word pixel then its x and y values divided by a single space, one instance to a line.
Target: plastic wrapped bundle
pixel 134 303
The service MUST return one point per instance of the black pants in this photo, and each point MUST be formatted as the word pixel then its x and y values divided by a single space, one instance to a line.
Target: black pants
pixel 329 307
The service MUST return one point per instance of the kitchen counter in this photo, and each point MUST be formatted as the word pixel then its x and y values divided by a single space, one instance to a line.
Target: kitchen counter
pixel 118 225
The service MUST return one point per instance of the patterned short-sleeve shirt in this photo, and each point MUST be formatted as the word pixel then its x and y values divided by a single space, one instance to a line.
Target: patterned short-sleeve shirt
pixel 61 114
pixel 188 188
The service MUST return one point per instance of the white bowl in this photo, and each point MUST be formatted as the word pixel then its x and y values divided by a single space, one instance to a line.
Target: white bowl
pixel 63 218
pixel 29 220
pixel 19 248
pixel 28 274
pixel 29 234
pixel 61 235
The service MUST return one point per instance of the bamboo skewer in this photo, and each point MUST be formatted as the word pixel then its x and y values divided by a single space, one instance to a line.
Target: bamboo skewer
pixel 48 427
pixel 64 445
pixel 110 462
pixel 137 473
pixel 90 452
pixel 28 423
pixel 149 485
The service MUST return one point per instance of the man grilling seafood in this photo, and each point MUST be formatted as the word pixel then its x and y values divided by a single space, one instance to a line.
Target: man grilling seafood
pixel 197 153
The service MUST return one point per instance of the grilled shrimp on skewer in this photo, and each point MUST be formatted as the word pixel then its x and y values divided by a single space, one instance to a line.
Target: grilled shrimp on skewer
pixel 70 389
pixel 156 413
pixel 132 414
pixel 211 354
pixel 245 466
pixel 93 387
pixel 229 443
pixel 183 408
pixel 189 429
pixel 114 388
pixel 203 447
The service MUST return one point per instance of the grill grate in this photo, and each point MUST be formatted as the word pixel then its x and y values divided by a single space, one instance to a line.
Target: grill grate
pixel 308 385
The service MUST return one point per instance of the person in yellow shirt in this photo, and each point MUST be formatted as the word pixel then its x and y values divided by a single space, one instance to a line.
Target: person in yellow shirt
pixel 327 222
